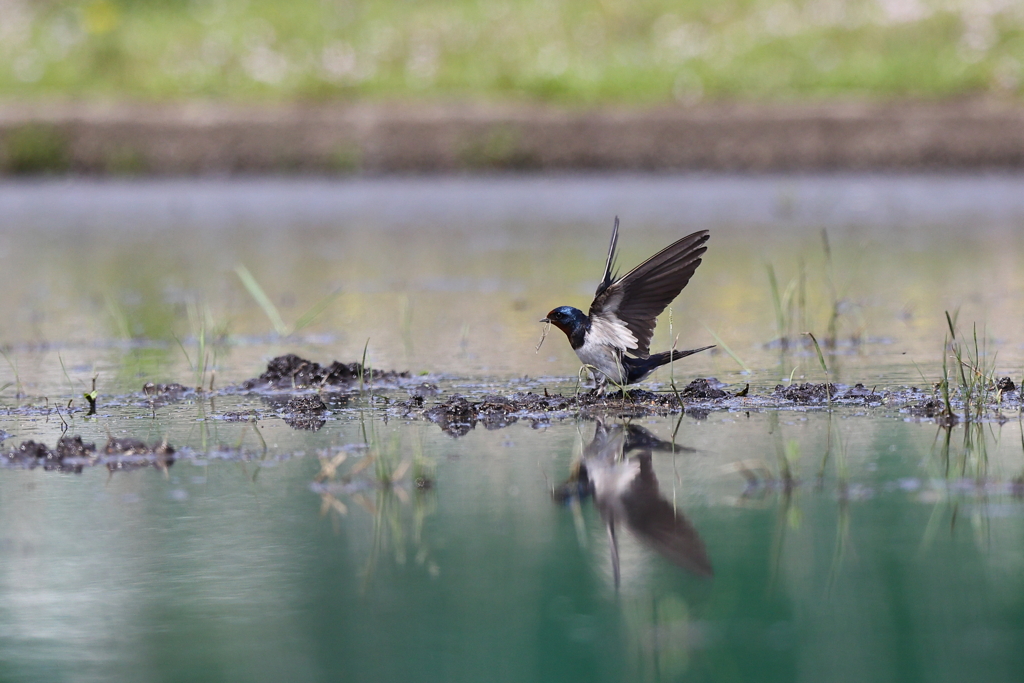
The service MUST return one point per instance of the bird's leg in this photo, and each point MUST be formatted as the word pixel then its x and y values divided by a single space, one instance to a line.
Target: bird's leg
pixel 600 382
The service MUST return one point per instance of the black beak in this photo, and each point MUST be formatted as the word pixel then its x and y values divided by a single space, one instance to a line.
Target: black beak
pixel 544 320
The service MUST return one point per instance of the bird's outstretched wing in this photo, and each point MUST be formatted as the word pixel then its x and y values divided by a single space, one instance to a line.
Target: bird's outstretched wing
pixel 609 265
pixel 635 300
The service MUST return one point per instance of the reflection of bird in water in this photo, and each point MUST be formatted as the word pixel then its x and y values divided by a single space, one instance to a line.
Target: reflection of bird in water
pixel 625 491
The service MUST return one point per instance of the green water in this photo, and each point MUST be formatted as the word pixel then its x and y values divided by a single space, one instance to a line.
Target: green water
pixel 265 553
pixel 228 570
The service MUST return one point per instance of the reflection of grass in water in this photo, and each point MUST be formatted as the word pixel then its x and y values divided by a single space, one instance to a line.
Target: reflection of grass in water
pixel 789 515
pixel 399 482
pixel 968 461
pixel 969 383
pixel 841 470
pixel 787 455
pixel 660 631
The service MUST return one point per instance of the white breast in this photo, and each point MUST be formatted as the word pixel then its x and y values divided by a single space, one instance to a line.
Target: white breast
pixel 603 357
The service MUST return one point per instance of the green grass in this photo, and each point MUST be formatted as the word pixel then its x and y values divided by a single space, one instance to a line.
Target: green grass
pixel 270 310
pixel 969 371
pixel 564 51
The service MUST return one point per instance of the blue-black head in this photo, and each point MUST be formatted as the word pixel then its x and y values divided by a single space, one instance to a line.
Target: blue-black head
pixel 572 321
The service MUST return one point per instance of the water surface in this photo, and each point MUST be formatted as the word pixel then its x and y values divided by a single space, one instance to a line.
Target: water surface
pixel 314 555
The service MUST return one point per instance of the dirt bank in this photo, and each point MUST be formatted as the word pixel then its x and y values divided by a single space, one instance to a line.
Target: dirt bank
pixel 382 138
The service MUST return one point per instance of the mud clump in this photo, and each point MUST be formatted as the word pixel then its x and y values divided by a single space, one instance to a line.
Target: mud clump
pixel 293 372
pixel 237 416
pixel 282 403
pixel 806 392
pixel 635 402
pixel 931 409
pixel 703 390
pixel 530 402
pixel 306 412
pixel 309 403
pixel 1005 385
pixel 74 447
pixel 162 394
pixel 423 389
pixel 456 416
pixel 126 454
pixel 496 412
pixel 29 451
pixel 858 392
pixel 172 390
pixel 67 457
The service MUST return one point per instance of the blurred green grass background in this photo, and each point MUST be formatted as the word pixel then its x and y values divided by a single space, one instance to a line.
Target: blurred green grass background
pixel 570 52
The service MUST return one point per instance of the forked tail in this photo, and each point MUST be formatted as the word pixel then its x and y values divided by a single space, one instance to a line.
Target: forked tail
pixel 638 368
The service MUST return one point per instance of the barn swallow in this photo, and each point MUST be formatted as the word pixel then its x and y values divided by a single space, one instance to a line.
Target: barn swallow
pixel 625 311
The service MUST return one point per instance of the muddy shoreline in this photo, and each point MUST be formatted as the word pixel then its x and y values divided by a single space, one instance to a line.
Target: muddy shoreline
pixel 304 393
pixel 202 138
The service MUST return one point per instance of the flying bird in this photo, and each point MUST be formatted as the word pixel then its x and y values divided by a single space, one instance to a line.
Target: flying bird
pixel 614 339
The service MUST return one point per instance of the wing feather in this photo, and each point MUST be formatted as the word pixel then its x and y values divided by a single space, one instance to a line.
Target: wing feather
pixel 638 297
pixel 610 331
pixel 609 264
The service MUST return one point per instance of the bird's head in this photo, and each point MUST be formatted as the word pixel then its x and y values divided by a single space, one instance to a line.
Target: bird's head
pixel 567 319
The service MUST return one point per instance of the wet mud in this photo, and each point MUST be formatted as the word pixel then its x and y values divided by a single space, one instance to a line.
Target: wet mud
pixel 72 455
pixel 457 415
pixel 290 372
pixel 306 412
pixel 157 395
pixel 305 394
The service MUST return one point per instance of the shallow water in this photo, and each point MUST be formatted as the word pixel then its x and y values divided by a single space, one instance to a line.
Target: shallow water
pixel 313 555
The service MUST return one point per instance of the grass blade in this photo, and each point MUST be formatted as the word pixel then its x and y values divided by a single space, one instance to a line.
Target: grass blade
pixel 725 347
pixel 824 367
pixel 821 357
pixel 315 310
pixel 257 293
pixel 780 318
